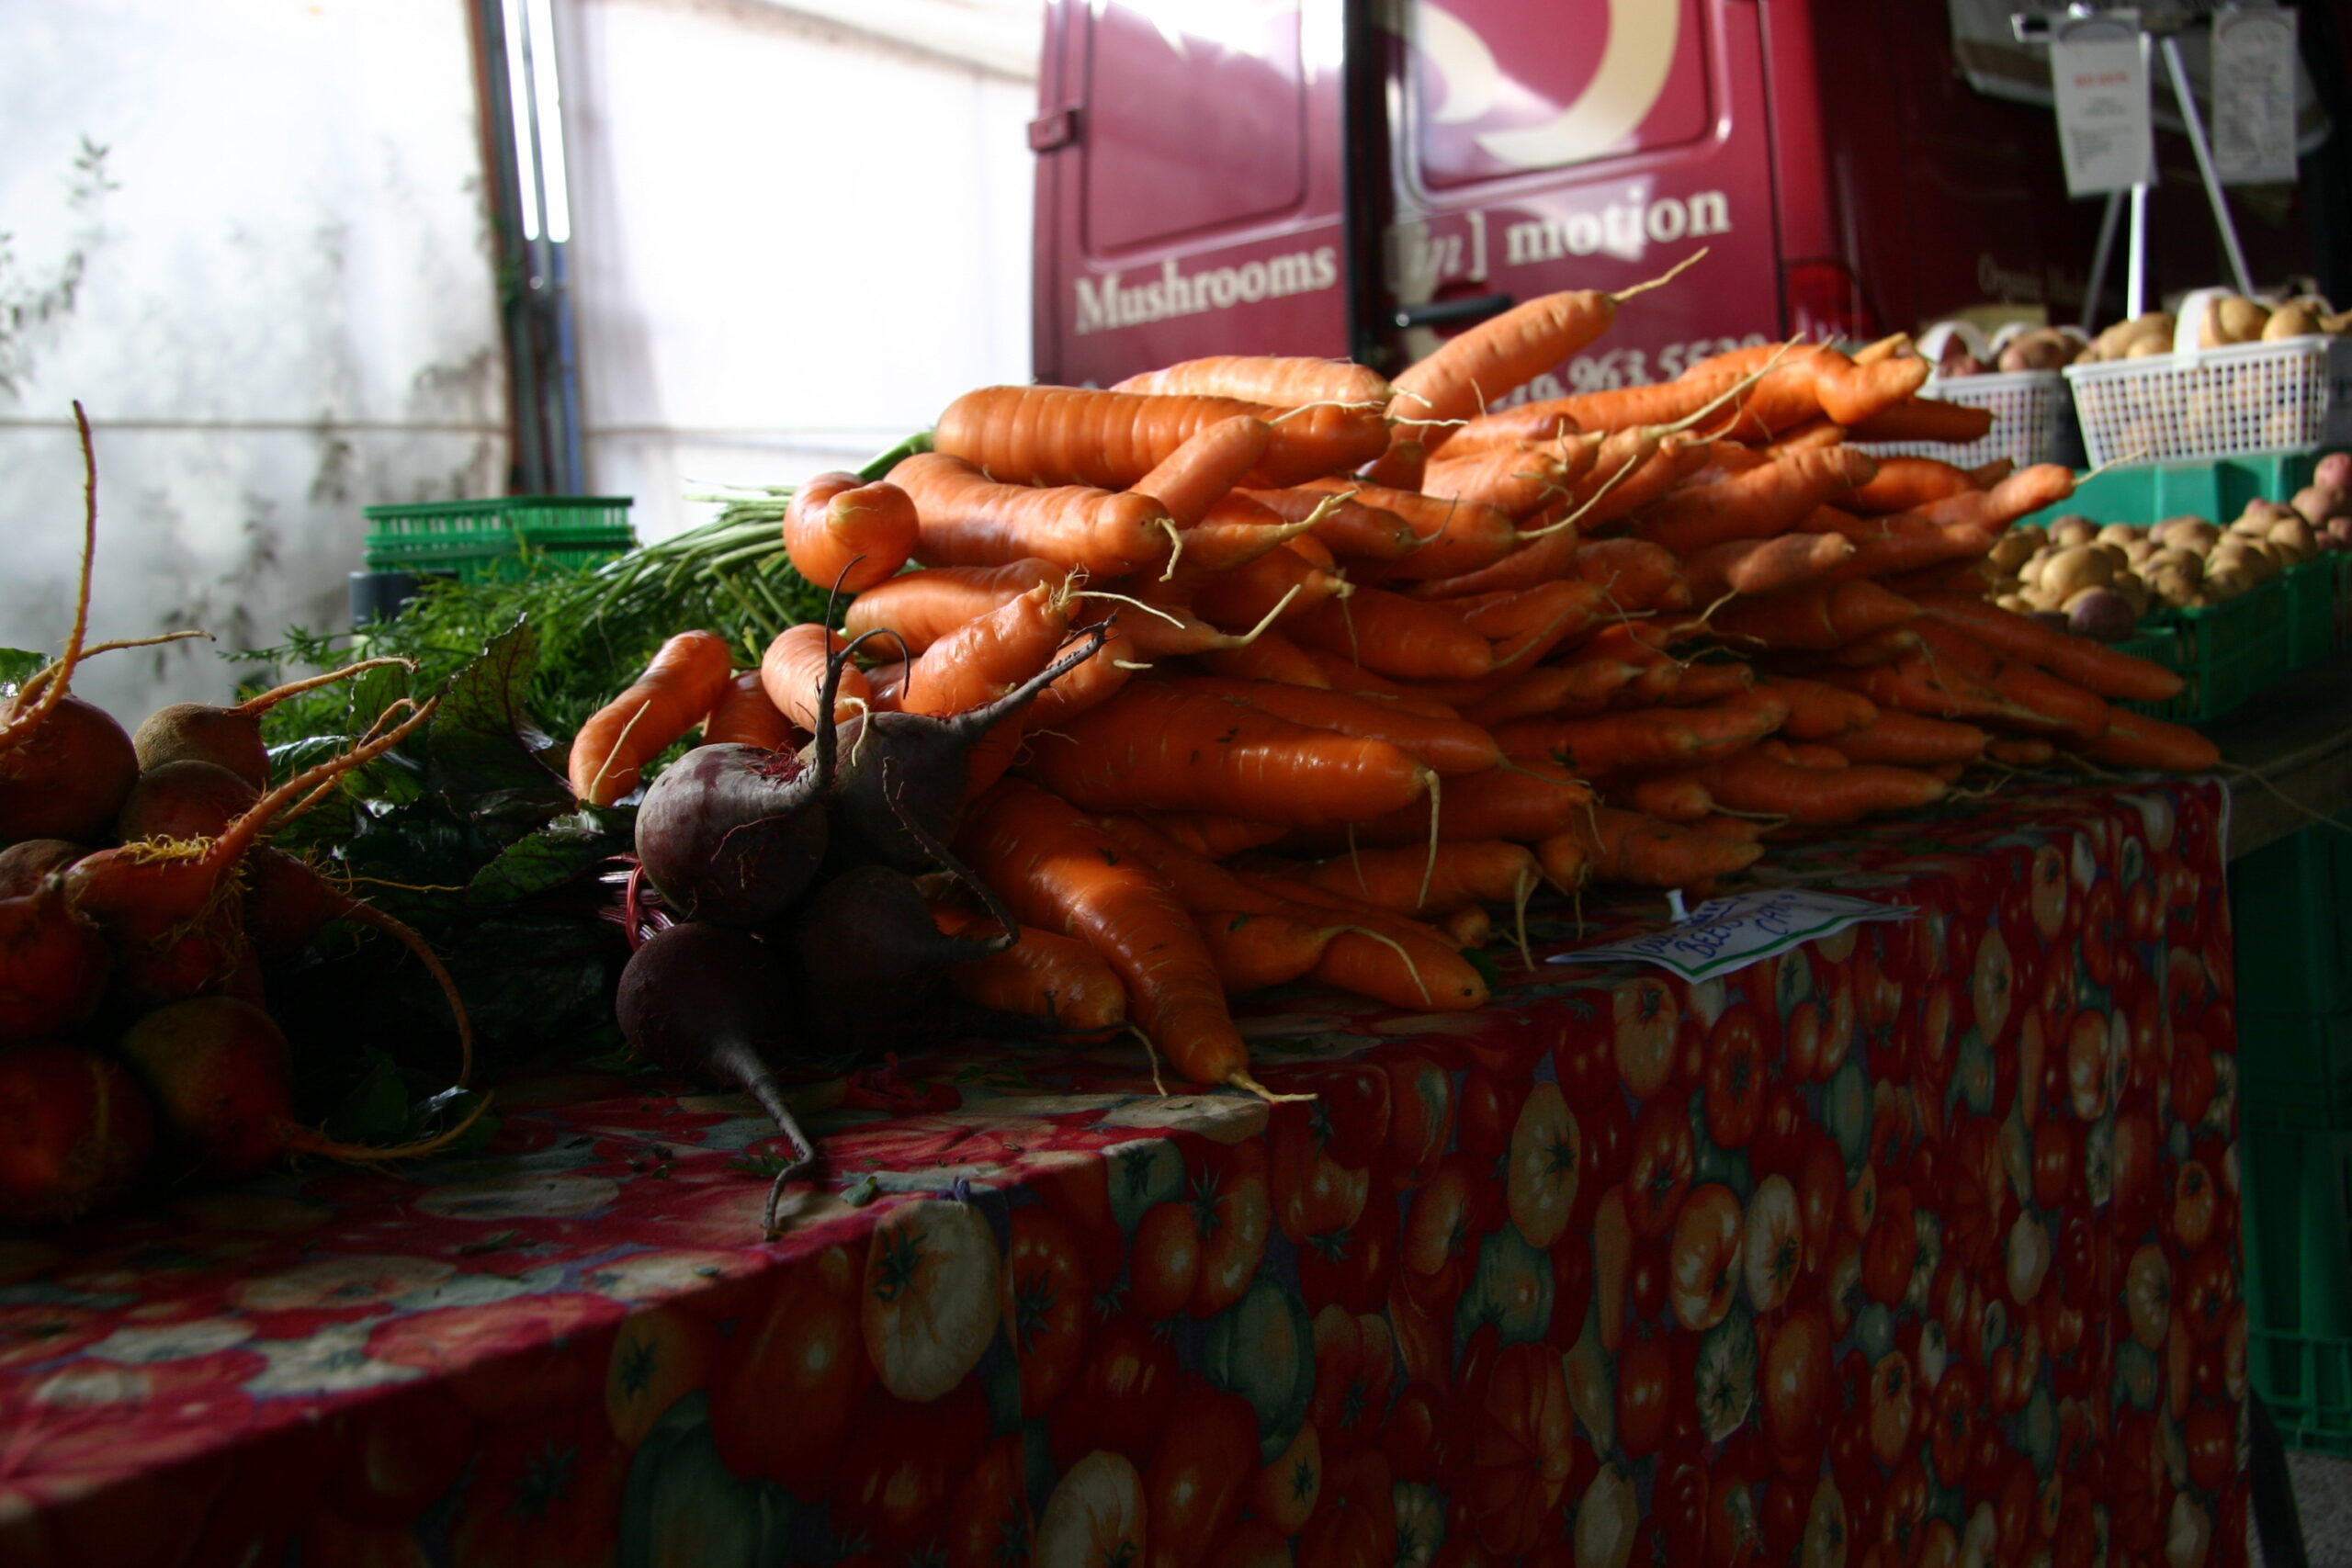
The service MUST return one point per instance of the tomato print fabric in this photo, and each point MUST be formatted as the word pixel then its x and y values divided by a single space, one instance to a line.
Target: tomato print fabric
pixel 1913 1247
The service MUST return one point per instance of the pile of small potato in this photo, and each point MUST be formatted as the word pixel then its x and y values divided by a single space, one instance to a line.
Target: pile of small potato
pixel 2100 581
pixel 2035 348
pixel 2226 318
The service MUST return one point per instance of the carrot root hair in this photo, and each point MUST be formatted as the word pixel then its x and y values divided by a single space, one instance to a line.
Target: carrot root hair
pixel 254 707
pixel 1151 1056
pixel 1239 1079
pixel 1526 890
pixel 1668 276
pixel 1398 948
pixel 22 724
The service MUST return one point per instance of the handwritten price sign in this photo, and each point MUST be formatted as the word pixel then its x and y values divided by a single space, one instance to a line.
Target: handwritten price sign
pixel 1724 934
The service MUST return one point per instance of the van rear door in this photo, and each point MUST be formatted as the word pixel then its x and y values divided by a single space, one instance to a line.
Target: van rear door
pixel 1589 145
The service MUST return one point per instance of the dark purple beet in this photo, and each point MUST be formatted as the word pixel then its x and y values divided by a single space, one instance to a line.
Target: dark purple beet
pixel 732 833
pixel 22 866
pixel 871 956
pixel 736 833
pixel 927 765
pixel 716 1003
pixel 52 966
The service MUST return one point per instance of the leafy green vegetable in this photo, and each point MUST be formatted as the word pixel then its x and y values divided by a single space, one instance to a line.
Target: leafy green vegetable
pixel 17 666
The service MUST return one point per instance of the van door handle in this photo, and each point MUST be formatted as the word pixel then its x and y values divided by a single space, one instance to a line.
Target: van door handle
pixel 1440 311
pixel 1052 131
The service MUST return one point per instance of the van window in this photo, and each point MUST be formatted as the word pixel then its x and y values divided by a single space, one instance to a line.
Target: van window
pixel 1196 116
pixel 1497 92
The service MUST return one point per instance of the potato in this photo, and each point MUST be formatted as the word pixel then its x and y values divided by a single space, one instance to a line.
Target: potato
pixel 2074 568
pixel 2113 552
pixel 2101 615
pixel 2139 551
pixel 2291 320
pixel 2015 547
pixel 2334 472
pixel 2072 530
pixel 2339 534
pixel 2134 592
pixel 2337 325
pixel 2173 586
pixel 2231 319
pixel 2177 559
pixel 2030 574
pixel 2017 604
pixel 2221 587
pixel 2316 504
pixel 2250 559
pixel 2193 533
pixel 2112 343
pixel 2148 347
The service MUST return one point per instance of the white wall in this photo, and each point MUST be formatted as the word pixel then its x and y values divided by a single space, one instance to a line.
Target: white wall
pixel 284 311
pixel 794 240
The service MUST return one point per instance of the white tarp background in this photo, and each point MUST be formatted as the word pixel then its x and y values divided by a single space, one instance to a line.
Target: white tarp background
pixel 272 292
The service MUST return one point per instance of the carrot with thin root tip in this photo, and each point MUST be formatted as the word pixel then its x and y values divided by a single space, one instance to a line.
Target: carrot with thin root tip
pixel 2020 750
pixel 1069 435
pixel 1819 618
pixel 1354 529
pixel 1818 711
pixel 1614 743
pixel 1441 979
pixel 1214 837
pixel 1808 436
pixel 1343 675
pixel 984 659
pixel 1911 740
pixel 1156 748
pixel 1273 381
pixel 1487 871
pixel 2116 676
pixel 1679 798
pixel 1629 847
pixel 920 607
pixel 1757 504
pixel 1044 976
pixel 1281 581
pixel 1454 537
pixel 847 533
pixel 679 688
pixel 1524 801
pixel 1398 636
pixel 1269 656
pixel 1451 747
pixel 1253 951
pixel 1903 483
pixel 1057 871
pixel 2135 740
pixel 1702 684
pixel 970 519
pixel 1758 783
pixel 791 672
pixel 1923 419
pixel 1192 480
pixel 1499 354
pixel 1561 690
pixel 1764 565
pixel 744 716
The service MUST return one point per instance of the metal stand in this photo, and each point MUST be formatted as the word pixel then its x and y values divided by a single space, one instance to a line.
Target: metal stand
pixel 2033 29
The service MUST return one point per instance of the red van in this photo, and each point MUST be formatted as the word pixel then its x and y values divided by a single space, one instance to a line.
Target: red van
pixel 1289 177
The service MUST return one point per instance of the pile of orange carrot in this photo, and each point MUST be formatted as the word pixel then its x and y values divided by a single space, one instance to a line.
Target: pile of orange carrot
pixel 1383 662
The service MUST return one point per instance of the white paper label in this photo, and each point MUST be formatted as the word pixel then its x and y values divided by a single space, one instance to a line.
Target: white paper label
pixel 2098 75
pixel 1724 934
pixel 2253 98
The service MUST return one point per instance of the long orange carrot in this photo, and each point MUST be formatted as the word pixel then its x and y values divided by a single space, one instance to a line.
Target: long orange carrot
pixel 1274 382
pixel 744 716
pixel 1065 436
pixel 1627 846
pixel 1394 636
pixel 1580 686
pixel 1057 871
pixel 984 659
pixel 1818 711
pixel 1408 881
pixel 1757 504
pixel 2117 676
pixel 1754 781
pixel 1455 536
pixel 1902 483
pixel 1911 740
pixel 1923 419
pixel 1452 747
pixel 791 672
pixel 1270 656
pixel 1354 529
pixel 1498 354
pixel 920 607
pixel 2135 740
pixel 1253 951
pixel 1044 974
pixel 679 688
pixel 1764 565
pixel 1529 800
pixel 969 519
pixel 1193 478
pixel 1154 748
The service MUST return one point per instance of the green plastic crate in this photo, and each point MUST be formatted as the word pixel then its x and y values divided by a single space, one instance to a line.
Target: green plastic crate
pixel 2290 909
pixel 2297 1187
pixel 2312 591
pixel 2217 490
pixel 489 540
pixel 2226 653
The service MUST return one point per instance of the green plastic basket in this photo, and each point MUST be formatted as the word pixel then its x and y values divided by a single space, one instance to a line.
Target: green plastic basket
pixel 2297 1186
pixel 2310 610
pixel 498 539
pixel 2217 490
pixel 2226 653
pixel 2290 909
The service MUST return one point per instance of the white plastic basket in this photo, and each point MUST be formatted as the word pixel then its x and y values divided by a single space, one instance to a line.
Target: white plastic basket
pixel 2197 404
pixel 2029 419
pixel 2029 406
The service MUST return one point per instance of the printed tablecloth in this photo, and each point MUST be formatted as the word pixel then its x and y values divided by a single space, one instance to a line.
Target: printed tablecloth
pixel 1915 1247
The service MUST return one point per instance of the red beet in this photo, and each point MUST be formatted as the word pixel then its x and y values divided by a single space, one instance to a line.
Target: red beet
pixel 76 1132
pixel 69 775
pixel 52 967
pixel 24 866
pixel 217 1069
pixel 716 1003
pixel 186 799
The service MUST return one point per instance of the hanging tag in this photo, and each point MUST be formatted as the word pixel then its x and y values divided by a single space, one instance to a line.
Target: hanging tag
pixel 2253 98
pixel 2099 75
pixel 1724 934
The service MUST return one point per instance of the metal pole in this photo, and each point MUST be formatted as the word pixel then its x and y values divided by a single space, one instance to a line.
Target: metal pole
pixel 2205 164
pixel 2099 258
pixel 2135 292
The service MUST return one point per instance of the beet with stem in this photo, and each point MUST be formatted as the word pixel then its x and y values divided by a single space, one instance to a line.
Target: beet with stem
pixel 76 1132
pixel 186 799
pixel 872 959
pixel 52 967
pixel 927 764
pixel 736 833
pixel 229 736
pixel 716 1003
pixel 219 1071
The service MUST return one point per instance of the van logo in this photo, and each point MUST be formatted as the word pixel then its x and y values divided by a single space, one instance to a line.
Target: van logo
pixel 1634 66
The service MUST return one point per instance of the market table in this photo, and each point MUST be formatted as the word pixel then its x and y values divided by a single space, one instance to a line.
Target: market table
pixel 1916 1245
